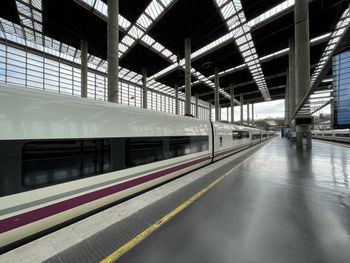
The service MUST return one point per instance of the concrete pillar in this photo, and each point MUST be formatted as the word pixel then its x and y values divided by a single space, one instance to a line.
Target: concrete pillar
pixel 217 111
pixel 177 99
pixel 144 88
pixel 241 101
pixel 196 106
pixel 210 110
pixel 291 78
pixel 188 76
pixel 112 49
pixel 286 100
pixel 302 64
pixel 84 67
pixel 252 114
pixel 248 117
pixel 332 110
pixel 232 103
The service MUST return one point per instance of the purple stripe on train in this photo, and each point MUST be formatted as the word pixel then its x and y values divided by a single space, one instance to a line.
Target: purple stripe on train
pixel 50 210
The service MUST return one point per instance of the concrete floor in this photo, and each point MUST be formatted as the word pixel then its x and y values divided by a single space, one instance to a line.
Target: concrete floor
pixel 280 206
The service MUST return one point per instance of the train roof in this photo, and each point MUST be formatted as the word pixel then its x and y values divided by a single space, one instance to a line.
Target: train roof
pixel 27 113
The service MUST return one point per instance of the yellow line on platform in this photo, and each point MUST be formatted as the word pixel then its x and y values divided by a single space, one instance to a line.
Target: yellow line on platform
pixel 133 242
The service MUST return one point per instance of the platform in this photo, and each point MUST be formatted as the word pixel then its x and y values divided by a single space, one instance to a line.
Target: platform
pixel 276 206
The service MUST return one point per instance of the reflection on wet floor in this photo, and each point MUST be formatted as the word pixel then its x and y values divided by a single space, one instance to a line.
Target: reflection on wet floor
pixel 326 165
pixel 281 205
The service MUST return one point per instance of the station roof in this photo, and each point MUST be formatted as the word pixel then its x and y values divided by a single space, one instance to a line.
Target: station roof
pixel 247 40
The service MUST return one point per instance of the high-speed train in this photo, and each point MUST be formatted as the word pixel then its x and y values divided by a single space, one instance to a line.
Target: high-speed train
pixel 62 157
pixel 342 135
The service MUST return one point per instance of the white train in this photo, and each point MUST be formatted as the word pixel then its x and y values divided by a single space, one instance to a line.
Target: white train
pixel 342 135
pixel 62 156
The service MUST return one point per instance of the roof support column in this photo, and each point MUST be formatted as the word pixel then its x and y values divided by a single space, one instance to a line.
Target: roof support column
pixel 291 78
pixel 287 100
pixel 144 88
pixel 196 106
pixel 232 103
pixel 332 110
pixel 188 77
pixel 248 117
pixel 241 100
pixel 177 99
pixel 112 49
pixel 302 64
pixel 84 67
pixel 252 114
pixel 210 110
pixel 217 114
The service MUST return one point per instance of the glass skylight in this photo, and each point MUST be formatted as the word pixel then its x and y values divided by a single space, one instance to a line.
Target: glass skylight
pixel 336 36
pixel 138 31
pixel 30 14
pixel 278 9
pixel 233 15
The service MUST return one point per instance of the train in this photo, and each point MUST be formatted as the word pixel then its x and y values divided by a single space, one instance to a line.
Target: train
pixel 341 135
pixel 63 157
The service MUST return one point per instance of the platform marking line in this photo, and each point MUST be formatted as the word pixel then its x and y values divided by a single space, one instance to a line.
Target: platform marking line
pixel 133 242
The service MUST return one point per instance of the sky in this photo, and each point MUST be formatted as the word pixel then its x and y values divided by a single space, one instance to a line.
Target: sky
pixel 262 110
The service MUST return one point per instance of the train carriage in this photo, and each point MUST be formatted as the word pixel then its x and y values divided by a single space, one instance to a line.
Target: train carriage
pixel 341 135
pixel 229 138
pixel 62 157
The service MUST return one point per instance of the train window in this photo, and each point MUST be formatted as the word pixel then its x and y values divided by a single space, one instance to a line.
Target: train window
pixel 139 151
pixel 245 134
pixel 342 135
pixel 47 162
pixel 179 146
pixel 327 134
pixel 199 144
pixel 236 135
pixel 256 136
